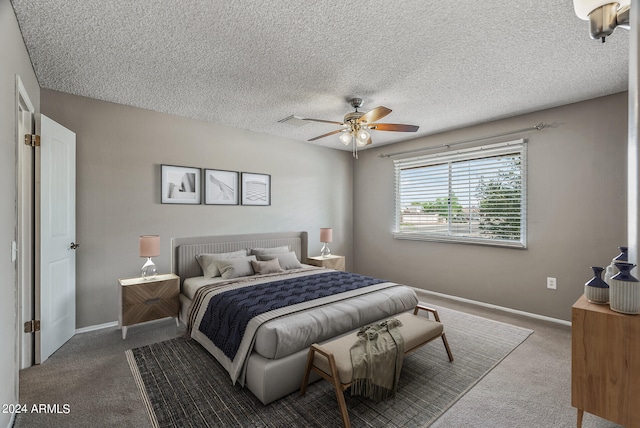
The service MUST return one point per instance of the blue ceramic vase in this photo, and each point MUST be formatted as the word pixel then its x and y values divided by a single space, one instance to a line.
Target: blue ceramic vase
pixel 596 290
pixel 612 269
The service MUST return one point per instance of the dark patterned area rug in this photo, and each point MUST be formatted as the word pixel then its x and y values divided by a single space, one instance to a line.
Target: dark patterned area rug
pixel 183 386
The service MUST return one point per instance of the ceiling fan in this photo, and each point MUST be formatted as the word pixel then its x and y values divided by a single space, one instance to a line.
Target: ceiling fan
pixel 356 125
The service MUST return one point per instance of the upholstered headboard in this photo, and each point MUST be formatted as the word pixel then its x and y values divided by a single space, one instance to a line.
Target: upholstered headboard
pixel 184 250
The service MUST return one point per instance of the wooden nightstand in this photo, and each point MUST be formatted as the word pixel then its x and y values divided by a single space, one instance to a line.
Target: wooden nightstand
pixel 145 300
pixel 330 262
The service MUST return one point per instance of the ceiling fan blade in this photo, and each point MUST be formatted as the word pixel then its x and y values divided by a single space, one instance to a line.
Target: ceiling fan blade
pixel 323 121
pixel 393 127
pixel 326 135
pixel 375 114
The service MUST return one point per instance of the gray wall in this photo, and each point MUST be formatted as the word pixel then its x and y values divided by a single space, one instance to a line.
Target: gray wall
pixel 13 61
pixel 119 153
pixel 576 214
pixel 576 204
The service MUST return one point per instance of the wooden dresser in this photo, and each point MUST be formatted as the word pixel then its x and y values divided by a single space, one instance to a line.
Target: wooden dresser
pixel 605 363
pixel 145 300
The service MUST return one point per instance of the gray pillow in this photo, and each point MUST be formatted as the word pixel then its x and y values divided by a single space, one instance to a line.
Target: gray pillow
pixel 273 250
pixel 287 260
pixel 236 267
pixel 268 266
pixel 207 261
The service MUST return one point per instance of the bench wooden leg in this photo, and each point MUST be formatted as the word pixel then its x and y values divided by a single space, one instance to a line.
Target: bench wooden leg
pixel 446 346
pixel 437 317
pixel 335 379
pixel 307 370
pixel 332 377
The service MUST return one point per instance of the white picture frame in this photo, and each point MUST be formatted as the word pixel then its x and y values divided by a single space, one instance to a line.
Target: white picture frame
pixel 221 187
pixel 180 185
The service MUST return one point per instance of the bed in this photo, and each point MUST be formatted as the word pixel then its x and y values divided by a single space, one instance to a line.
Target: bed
pixel 266 350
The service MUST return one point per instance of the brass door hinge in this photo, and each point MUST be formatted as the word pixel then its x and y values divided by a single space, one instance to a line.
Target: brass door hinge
pixel 32 140
pixel 32 326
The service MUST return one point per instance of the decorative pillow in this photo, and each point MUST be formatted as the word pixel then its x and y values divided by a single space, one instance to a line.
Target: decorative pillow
pixel 207 261
pixel 287 260
pixel 236 267
pixel 268 266
pixel 273 250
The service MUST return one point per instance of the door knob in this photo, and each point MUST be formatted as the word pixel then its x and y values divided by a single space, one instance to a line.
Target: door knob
pixel 73 245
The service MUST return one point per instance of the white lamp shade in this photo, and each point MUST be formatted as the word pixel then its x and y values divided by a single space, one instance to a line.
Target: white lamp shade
pixel 362 138
pixel 326 234
pixel 149 246
pixel 584 7
pixel 345 137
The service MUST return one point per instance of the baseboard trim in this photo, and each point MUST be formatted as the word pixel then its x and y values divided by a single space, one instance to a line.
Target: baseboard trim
pixel 435 293
pixel 491 306
pixel 97 327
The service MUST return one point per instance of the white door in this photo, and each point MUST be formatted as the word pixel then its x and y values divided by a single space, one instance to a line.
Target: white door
pixel 56 296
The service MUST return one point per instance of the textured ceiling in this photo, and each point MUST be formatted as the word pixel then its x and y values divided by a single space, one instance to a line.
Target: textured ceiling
pixel 248 64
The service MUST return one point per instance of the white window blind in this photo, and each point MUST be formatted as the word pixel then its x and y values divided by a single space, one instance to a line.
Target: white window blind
pixel 475 195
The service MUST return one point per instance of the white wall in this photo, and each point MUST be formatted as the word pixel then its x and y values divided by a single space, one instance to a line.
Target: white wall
pixel 13 60
pixel 119 153
pixel 576 213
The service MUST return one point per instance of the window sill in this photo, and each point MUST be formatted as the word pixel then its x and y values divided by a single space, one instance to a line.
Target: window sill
pixel 460 240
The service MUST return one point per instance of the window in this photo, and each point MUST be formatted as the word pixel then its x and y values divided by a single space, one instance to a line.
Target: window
pixel 475 195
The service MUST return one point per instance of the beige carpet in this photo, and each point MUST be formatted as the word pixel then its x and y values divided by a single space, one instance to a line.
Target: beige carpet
pixel 530 388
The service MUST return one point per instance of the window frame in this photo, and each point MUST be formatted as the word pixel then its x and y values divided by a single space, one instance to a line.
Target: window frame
pixel 452 156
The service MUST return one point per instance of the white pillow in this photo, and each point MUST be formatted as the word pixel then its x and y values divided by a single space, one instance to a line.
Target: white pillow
pixel 236 267
pixel 287 260
pixel 209 268
pixel 273 250
pixel 268 266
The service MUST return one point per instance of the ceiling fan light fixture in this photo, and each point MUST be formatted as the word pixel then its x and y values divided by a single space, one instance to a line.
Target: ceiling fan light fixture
pixel 362 138
pixel 583 8
pixel 603 15
pixel 345 138
pixel 356 125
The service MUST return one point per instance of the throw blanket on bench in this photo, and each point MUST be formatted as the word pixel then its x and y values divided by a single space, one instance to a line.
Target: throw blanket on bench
pixel 228 313
pixel 376 359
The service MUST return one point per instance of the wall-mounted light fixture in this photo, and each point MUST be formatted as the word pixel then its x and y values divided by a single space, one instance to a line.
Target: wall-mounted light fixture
pixel 603 16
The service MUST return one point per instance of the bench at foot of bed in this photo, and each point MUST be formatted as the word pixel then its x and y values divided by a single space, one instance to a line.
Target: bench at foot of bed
pixel 332 359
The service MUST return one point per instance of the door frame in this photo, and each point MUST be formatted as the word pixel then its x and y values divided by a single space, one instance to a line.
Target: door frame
pixel 24 249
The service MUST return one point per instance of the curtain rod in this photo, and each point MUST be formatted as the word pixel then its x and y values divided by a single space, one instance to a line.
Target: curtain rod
pixel 538 127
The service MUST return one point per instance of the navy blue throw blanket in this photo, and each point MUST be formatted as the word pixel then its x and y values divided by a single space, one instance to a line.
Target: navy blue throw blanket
pixel 229 312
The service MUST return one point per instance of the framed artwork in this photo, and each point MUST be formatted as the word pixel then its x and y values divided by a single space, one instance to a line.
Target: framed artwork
pixel 221 187
pixel 180 184
pixel 256 189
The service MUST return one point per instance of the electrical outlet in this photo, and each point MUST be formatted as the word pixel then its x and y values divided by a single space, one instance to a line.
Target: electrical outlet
pixel 551 283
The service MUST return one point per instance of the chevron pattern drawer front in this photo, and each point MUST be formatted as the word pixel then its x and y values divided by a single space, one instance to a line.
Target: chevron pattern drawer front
pixel 146 300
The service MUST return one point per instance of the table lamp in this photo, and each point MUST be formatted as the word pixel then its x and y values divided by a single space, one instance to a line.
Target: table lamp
pixel 326 236
pixel 149 247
